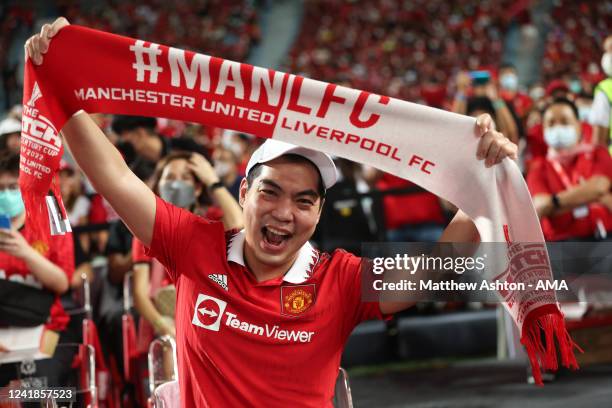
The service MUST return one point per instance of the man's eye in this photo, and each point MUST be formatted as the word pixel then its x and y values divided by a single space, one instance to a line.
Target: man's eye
pixel 306 202
pixel 268 192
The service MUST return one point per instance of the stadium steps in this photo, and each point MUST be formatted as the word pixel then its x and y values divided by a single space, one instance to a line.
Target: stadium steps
pixel 280 22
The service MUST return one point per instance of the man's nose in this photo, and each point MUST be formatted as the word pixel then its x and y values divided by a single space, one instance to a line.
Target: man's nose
pixel 283 212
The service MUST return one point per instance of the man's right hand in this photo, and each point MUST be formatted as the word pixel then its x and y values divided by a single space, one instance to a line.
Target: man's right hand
pixel 37 45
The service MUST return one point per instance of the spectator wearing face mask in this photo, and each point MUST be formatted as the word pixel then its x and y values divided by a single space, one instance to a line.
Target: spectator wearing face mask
pixel 181 179
pixel 226 167
pixel 571 185
pixel 602 102
pixel 536 146
pixel 241 144
pixel 41 270
pixel 518 102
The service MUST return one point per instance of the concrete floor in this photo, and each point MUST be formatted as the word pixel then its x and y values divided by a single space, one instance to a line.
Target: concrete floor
pixel 480 384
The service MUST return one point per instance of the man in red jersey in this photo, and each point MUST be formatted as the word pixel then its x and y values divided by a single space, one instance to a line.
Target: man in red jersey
pixel 261 316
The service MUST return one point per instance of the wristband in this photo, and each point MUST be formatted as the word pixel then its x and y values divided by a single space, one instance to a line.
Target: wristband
pixel 555 202
pixel 498 104
pixel 215 185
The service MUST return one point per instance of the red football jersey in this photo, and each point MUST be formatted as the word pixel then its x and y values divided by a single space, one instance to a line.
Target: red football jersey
pixel 241 342
pixel 543 179
pixel 60 251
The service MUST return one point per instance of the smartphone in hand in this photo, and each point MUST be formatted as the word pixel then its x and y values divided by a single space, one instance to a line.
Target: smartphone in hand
pixel 480 77
pixel 5 222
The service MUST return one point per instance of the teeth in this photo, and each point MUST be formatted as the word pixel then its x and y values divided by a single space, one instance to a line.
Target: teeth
pixel 277 232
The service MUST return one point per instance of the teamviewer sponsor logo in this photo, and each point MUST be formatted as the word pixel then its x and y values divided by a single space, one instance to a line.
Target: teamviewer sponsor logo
pixel 208 312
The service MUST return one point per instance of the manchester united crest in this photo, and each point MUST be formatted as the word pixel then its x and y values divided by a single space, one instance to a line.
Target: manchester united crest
pixel 295 300
pixel 41 247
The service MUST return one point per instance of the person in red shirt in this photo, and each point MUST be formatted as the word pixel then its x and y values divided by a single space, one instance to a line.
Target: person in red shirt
pixel 423 223
pixel 182 179
pixel 31 262
pixel 261 316
pixel 571 185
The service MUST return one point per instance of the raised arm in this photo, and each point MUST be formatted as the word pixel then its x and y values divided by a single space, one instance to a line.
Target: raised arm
pixel 111 177
pixel 492 148
pixel 98 158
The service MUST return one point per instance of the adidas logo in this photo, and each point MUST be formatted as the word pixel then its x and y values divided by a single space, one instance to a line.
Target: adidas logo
pixel 36 95
pixel 219 279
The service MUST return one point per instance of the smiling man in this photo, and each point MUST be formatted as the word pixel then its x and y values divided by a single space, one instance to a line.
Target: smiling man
pixel 261 316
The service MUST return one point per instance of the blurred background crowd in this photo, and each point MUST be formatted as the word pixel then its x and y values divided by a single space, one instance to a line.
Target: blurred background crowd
pixel 533 66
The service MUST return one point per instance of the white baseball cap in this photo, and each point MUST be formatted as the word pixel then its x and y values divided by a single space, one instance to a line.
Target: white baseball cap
pixel 10 125
pixel 272 149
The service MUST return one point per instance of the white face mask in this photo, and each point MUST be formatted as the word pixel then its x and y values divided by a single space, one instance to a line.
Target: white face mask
pixel 537 93
pixel 560 137
pixel 606 63
pixel 222 168
pixel 509 82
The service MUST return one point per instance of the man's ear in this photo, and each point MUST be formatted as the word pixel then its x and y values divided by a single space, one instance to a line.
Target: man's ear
pixel 243 191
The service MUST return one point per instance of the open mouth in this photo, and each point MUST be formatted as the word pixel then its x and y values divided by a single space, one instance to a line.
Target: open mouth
pixel 275 238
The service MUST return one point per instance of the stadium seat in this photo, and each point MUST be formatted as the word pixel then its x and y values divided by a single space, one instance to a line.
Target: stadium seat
pixel 342 392
pixel 163 369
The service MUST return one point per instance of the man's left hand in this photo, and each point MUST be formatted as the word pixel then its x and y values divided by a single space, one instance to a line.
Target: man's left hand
pixel 493 146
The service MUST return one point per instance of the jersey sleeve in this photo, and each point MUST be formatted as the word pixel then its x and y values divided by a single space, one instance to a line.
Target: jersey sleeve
pixel 174 237
pixel 350 271
pixel 139 252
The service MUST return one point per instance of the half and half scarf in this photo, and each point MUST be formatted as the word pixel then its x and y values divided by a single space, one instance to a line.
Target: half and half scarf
pixel 101 72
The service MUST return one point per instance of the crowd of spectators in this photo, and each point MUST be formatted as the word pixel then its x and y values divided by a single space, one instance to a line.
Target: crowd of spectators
pixel 443 54
pixel 404 49
pixel 576 27
pixel 226 29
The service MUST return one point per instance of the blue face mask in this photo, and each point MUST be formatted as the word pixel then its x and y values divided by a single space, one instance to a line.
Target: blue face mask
pixel 509 82
pixel 561 137
pixel 11 202
pixel 575 86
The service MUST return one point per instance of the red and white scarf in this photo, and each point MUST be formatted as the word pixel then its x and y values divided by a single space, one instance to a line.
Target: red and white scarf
pixel 101 72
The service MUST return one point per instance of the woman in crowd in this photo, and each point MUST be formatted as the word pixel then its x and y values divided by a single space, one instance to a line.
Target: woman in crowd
pixel 571 185
pixel 43 272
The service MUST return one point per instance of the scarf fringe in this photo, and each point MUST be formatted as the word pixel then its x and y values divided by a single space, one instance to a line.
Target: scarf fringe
pixel 37 215
pixel 539 334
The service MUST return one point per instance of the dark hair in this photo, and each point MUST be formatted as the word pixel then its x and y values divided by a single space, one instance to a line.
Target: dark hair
pixel 125 123
pixel 507 65
pixel 563 101
pixel 293 158
pixel 480 103
pixel 9 163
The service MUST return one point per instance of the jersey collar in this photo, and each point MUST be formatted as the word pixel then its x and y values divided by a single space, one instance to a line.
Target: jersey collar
pixel 299 272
